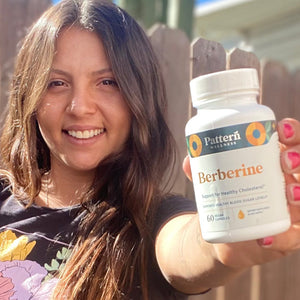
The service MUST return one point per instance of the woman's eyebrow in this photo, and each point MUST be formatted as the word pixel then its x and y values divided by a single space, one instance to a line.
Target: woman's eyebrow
pixel 97 72
pixel 102 71
pixel 59 71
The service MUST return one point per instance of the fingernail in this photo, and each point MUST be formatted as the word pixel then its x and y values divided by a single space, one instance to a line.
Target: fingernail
pixel 296 193
pixel 267 241
pixel 288 130
pixel 294 159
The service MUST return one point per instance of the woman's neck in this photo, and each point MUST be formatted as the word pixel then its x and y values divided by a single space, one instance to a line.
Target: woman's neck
pixel 62 189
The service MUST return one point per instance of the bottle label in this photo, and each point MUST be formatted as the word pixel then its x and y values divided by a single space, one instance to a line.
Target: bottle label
pixel 237 176
pixel 230 138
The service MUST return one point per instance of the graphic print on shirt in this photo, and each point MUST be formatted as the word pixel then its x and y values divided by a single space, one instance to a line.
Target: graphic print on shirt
pixel 23 279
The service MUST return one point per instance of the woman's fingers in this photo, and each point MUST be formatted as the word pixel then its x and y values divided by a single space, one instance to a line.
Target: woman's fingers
pixel 293 193
pixel 289 132
pixel 289 137
pixel 290 160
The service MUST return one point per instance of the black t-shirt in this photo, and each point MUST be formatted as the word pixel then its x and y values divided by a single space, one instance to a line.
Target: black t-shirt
pixel 35 242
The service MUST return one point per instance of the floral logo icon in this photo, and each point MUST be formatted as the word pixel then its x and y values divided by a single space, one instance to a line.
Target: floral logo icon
pixel 194 145
pixel 256 134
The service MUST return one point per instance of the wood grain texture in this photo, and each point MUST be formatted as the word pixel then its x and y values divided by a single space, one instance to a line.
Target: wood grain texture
pixel 172 48
pixel 15 18
pixel 275 88
pixel 207 57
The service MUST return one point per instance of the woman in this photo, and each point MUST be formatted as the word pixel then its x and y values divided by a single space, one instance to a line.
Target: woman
pixel 84 150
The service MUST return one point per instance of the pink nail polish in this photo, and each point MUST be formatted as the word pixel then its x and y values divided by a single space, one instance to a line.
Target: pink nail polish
pixel 267 241
pixel 294 159
pixel 296 193
pixel 288 130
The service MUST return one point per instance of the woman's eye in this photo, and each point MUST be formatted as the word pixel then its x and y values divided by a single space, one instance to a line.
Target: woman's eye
pixel 109 82
pixel 55 83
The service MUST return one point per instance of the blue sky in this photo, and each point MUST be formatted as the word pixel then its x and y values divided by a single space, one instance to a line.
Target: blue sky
pixel 198 2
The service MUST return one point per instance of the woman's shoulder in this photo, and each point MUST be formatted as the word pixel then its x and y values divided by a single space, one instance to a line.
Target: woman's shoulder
pixel 177 202
pixel 170 206
pixel 174 204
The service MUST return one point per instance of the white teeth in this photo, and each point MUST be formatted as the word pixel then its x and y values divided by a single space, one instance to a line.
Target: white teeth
pixel 85 134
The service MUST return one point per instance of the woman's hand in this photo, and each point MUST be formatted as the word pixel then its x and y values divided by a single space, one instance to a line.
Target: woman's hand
pixel 245 254
pixel 289 137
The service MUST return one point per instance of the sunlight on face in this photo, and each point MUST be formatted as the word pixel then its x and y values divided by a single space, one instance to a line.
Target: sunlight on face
pixel 83 116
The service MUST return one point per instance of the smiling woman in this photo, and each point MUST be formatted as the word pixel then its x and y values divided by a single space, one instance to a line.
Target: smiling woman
pixel 82 117
pixel 85 150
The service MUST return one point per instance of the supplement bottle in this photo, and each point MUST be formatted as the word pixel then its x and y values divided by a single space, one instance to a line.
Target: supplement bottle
pixel 235 159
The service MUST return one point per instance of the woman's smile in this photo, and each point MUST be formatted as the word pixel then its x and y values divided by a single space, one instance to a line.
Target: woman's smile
pixel 84 134
pixel 84 137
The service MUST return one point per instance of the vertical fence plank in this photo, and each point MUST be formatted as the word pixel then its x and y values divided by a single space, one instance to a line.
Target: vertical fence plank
pixel 239 288
pixel 237 58
pixel 172 48
pixel 291 280
pixel 270 289
pixel 15 17
pixel 207 57
pixel 275 88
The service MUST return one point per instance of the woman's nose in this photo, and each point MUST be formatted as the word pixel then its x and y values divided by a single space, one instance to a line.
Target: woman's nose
pixel 82 102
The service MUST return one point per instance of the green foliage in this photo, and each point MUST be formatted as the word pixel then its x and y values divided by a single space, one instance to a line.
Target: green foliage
pixel 58 263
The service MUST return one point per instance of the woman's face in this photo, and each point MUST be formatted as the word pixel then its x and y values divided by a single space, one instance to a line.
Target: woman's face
pixel 83 116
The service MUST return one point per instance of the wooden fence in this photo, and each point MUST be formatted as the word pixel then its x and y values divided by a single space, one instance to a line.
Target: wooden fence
pixel 15 17
pixel 280 90
pixel 180 62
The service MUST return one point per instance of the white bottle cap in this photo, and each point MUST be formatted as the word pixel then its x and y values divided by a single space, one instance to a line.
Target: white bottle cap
pixel 210 86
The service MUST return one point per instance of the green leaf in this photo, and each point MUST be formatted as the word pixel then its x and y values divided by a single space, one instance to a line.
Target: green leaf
pixel 54 264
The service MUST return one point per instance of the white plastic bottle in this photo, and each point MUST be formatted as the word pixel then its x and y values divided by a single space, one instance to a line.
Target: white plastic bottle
pixel 234 153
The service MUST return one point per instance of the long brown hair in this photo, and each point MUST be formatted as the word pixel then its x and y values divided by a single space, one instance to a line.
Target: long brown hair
pixel 114 238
